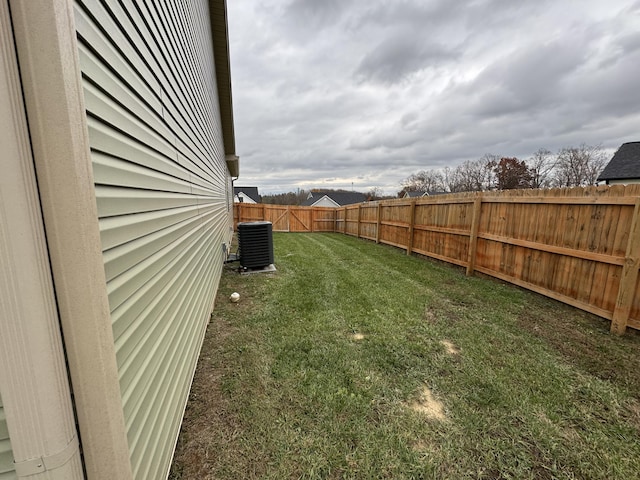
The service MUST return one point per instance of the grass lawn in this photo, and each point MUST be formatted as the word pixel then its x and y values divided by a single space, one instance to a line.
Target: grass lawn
pixel 354 360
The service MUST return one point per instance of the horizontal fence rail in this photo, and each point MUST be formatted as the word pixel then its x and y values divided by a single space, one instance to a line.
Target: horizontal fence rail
pixel 580 246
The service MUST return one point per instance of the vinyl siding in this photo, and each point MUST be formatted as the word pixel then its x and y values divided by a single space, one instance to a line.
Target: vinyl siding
pixel 6 455
pixel 163 197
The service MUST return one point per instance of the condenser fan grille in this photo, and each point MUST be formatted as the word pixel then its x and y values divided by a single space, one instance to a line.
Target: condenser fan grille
pixel 255 241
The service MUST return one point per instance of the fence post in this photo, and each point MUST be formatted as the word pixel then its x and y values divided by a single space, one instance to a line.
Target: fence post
pixel 378 222
pixel 359 213
pixel 288 219
pixel 264 212
pixel 473 237
pixel 312 210
pixel 629 278
pixel 344 223
pixel 412 221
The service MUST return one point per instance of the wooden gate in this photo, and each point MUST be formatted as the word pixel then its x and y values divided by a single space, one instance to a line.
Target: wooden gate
pixel 287 218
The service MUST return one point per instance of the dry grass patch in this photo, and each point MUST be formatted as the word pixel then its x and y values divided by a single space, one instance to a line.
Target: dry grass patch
pixel 450 347
pixel 427 404
pixel 357 336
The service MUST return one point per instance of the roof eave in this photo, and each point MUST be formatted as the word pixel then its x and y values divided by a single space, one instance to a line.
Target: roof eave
pixel 220 39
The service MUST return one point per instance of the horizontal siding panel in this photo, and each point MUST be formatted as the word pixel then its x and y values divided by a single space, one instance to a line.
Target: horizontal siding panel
pixel 7 471
pixel 143 104
pixel 118 230
pixel 117 172
pixel 126 284
pixel 123 201
pixel 6 457
pixel 147 301
pixel 129 255
pixel 178 89
pixel 127 313
pixel 164 201
pixel 131 68
pixel 149 349
pixel 104 108
pixel 114 143
pixel 214 171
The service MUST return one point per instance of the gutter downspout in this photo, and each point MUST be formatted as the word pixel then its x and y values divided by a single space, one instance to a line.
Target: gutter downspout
pixel 47 49
pixel 33 374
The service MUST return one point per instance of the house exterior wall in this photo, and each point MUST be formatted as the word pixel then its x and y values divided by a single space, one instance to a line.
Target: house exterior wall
pixel 163 201
pixel 325 202
pixel 244 198
pixel 626 181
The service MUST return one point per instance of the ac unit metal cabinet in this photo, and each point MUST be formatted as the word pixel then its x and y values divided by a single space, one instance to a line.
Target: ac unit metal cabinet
pixel 255 241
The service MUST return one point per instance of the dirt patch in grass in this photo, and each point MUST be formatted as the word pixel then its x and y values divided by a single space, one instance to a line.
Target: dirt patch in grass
pixel 357 336
pixel 633 413
pixel 425 447
pixel 449 347
pixel 427 404
pixel 430 315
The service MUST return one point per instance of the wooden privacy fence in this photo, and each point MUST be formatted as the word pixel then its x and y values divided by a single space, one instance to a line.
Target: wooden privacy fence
pixel 580 246
pixel 286 218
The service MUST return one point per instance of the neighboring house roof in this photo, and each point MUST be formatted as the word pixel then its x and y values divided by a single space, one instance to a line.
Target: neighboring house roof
pixel 339 198
pixel 415 194
pixel 323 201
pixel 251 192
pixel 422 194
pixel 624 165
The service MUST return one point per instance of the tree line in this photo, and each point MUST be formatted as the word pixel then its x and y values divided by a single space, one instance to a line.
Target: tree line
pixel 300 195
pixel 570 167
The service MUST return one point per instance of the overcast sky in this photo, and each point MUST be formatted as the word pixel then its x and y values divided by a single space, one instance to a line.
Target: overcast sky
pixel 335 93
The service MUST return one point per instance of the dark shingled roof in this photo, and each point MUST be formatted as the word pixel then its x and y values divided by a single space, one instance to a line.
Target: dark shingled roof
pixel 251 192
pixel 341 198
pixel 423 194
pixel 625 164
pixel 415 194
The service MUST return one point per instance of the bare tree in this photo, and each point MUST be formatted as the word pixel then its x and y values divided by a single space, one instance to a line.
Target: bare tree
pixel 424 181
pixel 579 166
pixel 449 179
pixel 541 166
pixel 375 193
pixel 474 175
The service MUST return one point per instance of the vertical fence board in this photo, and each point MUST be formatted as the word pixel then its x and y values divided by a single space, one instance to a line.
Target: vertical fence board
pixel 473 238
pixel 378 219
pixel 412 221
pixel 629 278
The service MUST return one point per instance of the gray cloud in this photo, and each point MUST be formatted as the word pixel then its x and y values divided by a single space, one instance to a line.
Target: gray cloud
pixel 397 57
pixel 330 93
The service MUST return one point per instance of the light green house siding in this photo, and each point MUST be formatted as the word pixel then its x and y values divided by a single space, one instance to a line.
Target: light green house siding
pixel 6 455
pixel 163 197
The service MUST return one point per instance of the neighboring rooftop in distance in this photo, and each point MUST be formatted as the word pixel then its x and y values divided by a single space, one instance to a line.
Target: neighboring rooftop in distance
pixel 416 194
pixel 333 199
pixel 251 192
pixel 420 193
pixel 624 167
